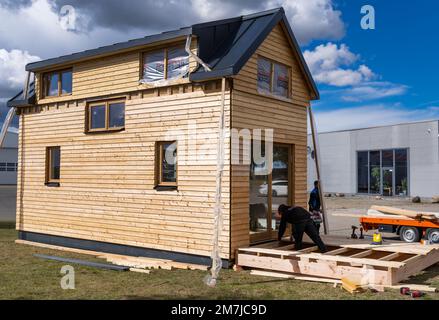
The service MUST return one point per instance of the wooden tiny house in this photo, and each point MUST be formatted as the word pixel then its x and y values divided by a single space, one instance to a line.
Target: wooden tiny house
pixel 106 143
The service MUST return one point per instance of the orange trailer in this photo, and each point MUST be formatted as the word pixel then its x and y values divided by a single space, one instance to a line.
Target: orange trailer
pixel 409 230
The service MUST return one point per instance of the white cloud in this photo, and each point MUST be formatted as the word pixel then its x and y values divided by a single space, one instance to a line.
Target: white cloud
pixel 373 90
pixel 328 63
pixel 12 68
pixel 369 116
pixel 312 19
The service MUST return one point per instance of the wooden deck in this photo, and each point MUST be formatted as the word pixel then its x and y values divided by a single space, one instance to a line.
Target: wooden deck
pixel 386 264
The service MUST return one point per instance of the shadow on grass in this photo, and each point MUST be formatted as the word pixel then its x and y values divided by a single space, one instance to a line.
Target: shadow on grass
pixel 426 276
pixel 7 225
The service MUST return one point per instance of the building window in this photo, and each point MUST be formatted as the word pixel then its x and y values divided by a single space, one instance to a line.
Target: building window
pixel 106 116
pixel 166 164
pixel 165 64
pixel 57 83
pixel 8 167
pixel 363 172
pixel 401 172
pixel 53 166
pixel 383 172
pixel 273 78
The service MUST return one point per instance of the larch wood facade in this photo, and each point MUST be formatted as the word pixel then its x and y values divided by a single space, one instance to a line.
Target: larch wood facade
pixel 107 193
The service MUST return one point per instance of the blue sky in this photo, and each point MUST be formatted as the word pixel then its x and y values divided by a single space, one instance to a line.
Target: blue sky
pixel 402 52
pixel 366 77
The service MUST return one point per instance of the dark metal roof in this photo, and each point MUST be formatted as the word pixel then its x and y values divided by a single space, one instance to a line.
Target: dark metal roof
pixel 106 50
pixel 228 44
pixel 225 45
pixel 19 101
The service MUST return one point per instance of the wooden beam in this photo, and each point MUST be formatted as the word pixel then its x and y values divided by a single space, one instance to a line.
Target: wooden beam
pixel 390 256
pixel 361 254
pixel 337 251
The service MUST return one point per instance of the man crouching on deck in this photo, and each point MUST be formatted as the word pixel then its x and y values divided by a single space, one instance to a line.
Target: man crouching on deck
pixel 302 223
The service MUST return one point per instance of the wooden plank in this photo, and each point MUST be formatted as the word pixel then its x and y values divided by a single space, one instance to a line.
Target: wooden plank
pixel 360 261
pixel 336 251
pixel 291 276
pixel 390 256
pixel 325 269
pixel 403 212
pixel 362 254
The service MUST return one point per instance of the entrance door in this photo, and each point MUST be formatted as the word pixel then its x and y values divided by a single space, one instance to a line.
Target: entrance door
pixel 387 187
pixel 268 190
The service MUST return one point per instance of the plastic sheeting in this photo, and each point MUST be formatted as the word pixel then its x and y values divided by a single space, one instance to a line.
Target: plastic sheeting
pixel 154 66
pixel 155 70
pixel 178 63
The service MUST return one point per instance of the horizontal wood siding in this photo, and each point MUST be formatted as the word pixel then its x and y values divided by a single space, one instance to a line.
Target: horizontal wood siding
pixel 288 118
pixel 115 74
pixel 107 190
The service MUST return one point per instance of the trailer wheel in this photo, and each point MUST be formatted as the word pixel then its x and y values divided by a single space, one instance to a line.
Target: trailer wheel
pixel 409 234
pixel 433 235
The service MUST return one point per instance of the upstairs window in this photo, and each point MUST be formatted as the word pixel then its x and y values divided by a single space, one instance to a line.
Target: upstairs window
pixel 165 64
pixel 53 165
pixel 106 116
pixel 57 83
pixel 273 78
pixel 166 164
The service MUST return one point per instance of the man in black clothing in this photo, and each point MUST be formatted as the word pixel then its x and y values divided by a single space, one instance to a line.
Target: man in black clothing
pixel 302 222
pixel 314 206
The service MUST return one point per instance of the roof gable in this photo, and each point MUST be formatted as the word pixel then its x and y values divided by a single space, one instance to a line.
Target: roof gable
pixel 235 41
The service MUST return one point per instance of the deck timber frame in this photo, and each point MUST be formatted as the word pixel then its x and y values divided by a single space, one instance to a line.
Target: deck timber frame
pixel 377 265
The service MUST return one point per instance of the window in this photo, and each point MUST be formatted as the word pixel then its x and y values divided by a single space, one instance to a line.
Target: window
pixel 273 78
pixel 106 116
pixel 8 166
pixel 57 83
pixel 165 64
pixel 53 166
pixel 401 172
pixel 166 164
pixel 363 171
pixel 383 172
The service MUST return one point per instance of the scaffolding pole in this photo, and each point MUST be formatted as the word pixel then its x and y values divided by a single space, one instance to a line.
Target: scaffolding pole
pixel 315 141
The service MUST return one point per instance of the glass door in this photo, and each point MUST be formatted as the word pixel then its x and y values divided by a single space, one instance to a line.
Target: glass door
pixel 387 182
pixel 268 190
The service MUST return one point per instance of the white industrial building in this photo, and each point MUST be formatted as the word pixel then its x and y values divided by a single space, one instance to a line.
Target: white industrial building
pixel 8 159
pixel 395 160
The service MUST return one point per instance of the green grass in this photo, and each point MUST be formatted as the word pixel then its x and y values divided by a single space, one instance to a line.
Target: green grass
pixel 23 276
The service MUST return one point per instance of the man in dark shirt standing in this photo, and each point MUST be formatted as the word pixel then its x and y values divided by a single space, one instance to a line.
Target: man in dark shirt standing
pixel 314 206
pixel 302 222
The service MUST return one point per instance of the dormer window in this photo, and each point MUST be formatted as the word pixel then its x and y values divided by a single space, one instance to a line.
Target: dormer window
pixel 58 83
pixel 165 64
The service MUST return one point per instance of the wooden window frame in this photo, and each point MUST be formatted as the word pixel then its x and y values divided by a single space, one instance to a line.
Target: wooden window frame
pixel 49 180
pixel 272 94
pixel 107 104
pixel 45 83
pixel 165 59
pixel 159 183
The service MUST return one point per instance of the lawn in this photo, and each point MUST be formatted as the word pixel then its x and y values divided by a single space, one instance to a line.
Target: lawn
pixel 23 276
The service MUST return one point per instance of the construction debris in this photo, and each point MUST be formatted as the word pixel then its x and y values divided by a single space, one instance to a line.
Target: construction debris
pixel 416 199
pixel 352 285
